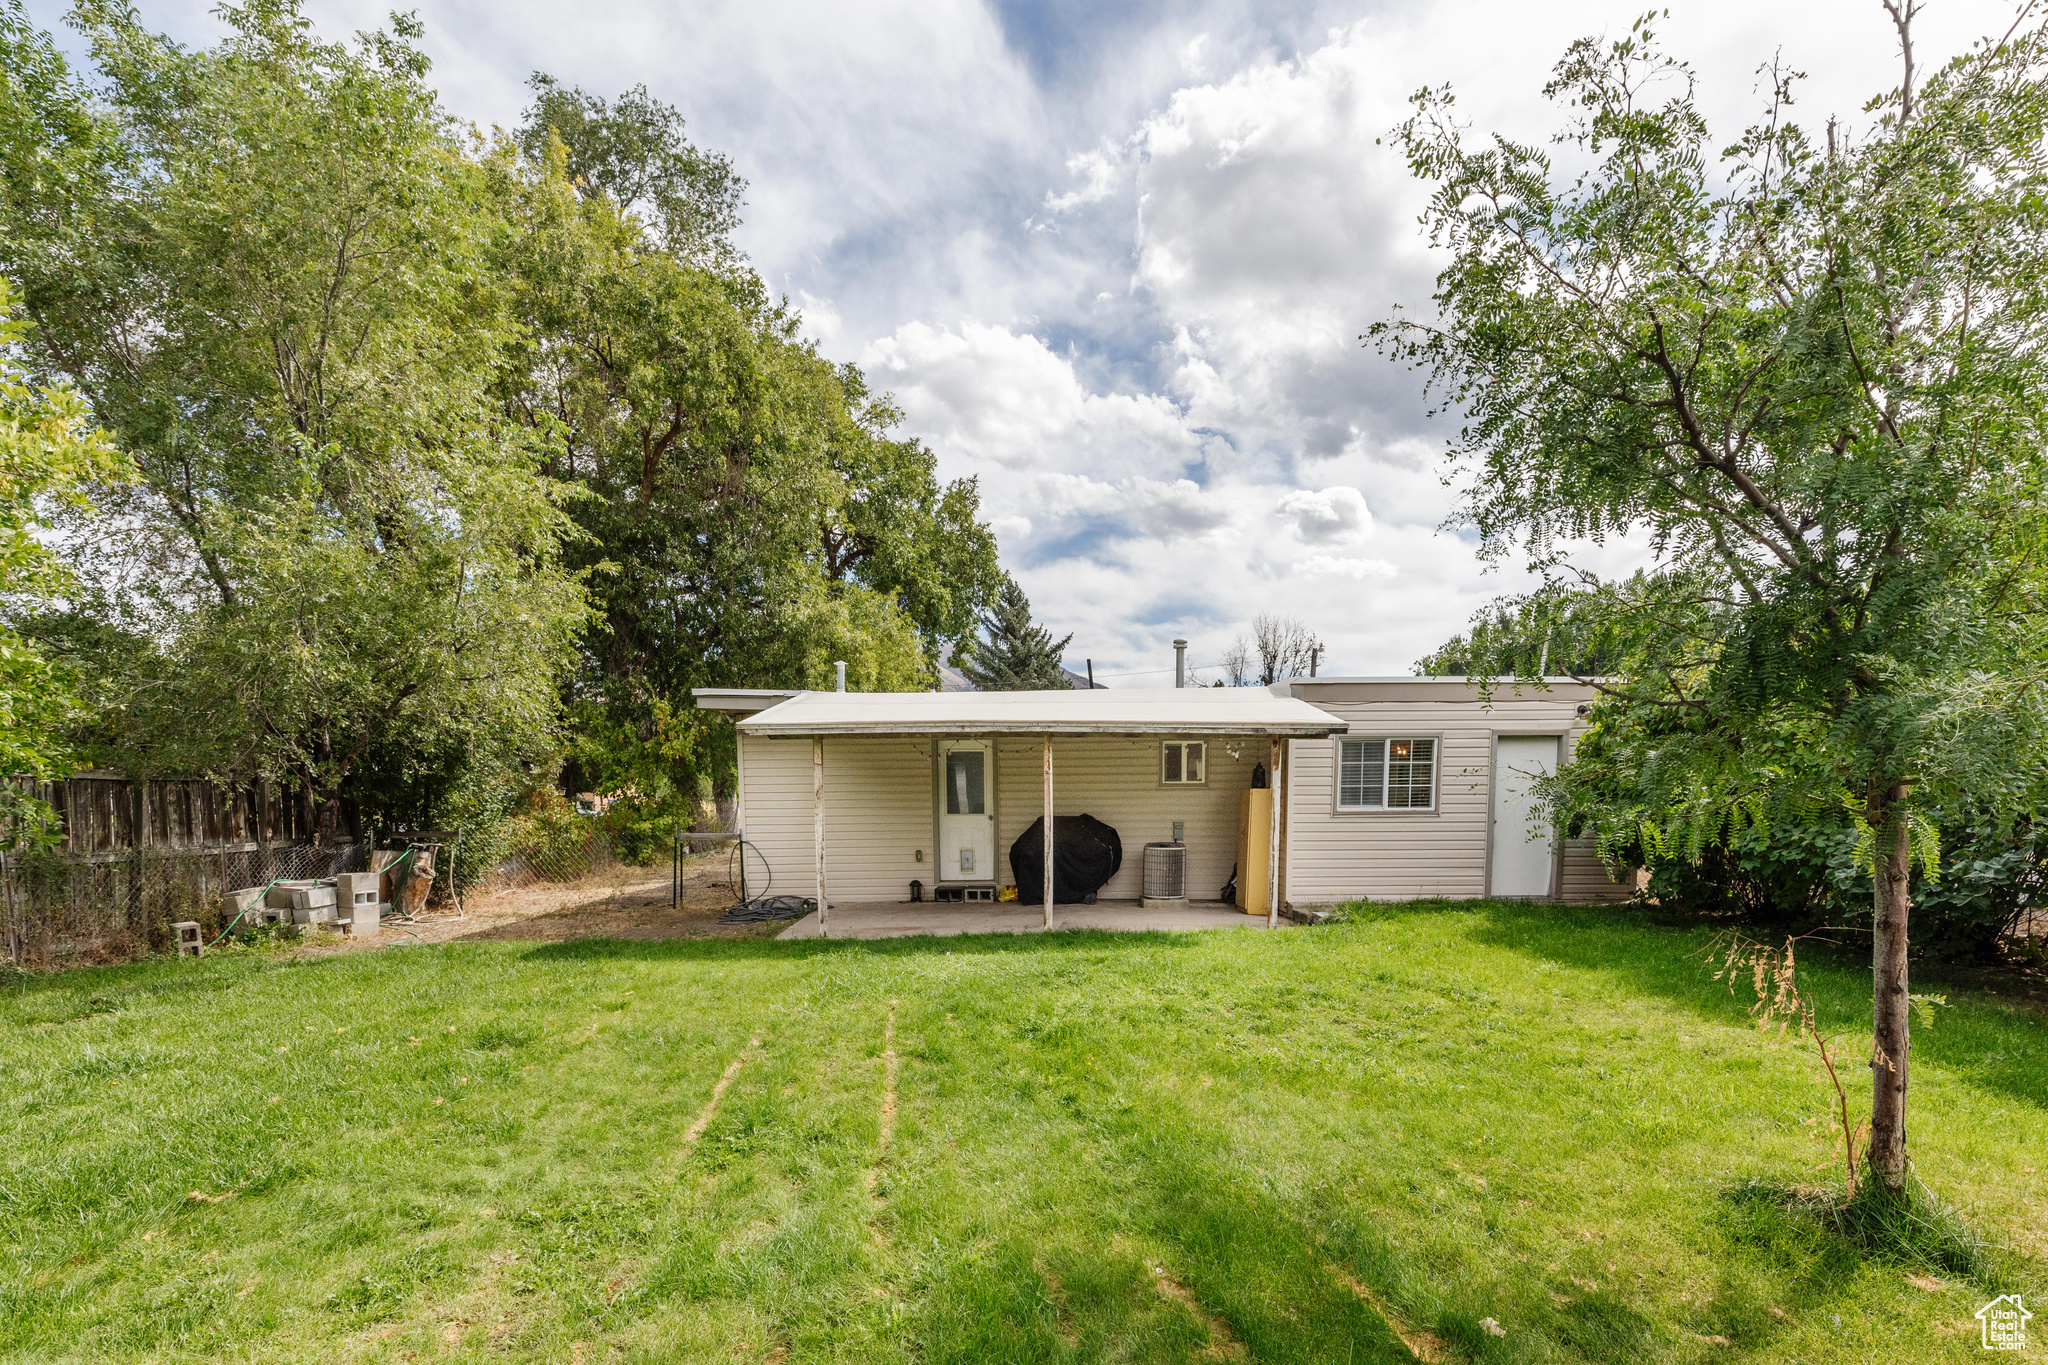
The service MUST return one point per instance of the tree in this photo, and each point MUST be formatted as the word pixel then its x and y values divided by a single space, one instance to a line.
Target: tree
pixel 1014 655
pixel 1810 369
pixel 269 268
pixel 49 453
pixel 1284 644
pixel 749 517
pixel 1548 632
pixel 1239 669
pixel 633 152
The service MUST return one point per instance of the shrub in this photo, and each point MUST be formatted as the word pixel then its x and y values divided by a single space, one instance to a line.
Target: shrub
pixel 1798 877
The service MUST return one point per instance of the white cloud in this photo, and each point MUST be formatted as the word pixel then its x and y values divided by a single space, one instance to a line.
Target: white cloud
pixel 1101 171
pixel 1330 516
pixel 984 393
pixel 1347 568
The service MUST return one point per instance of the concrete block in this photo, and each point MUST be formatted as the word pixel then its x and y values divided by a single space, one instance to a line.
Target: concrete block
pixel 299 898
pixel 356 888
pixel 368 922
pixel 280 895
pixel 190 942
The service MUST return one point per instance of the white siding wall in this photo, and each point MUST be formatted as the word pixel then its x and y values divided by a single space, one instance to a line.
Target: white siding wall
pixel 878 815
pixel 1401 855
pixel 878 807
pixel 1115 778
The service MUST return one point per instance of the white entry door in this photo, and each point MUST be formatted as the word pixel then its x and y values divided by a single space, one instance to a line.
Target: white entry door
pixel 1523 851
pixel 967 811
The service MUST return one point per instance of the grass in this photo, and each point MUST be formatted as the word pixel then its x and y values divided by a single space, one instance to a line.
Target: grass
pixel 1269 1147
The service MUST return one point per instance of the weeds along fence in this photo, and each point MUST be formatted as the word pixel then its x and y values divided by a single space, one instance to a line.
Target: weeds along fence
pixel 69 910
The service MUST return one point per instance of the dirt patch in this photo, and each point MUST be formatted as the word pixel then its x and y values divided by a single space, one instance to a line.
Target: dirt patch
pixel 616 902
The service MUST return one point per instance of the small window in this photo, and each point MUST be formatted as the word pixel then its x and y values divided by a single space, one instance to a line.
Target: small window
pixel 1183 764
pixel 1386 774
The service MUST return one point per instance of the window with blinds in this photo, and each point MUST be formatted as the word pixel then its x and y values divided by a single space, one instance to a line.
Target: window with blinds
pixel 1386 774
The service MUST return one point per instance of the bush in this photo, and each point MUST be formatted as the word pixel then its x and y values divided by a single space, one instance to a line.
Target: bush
pixel 1798 877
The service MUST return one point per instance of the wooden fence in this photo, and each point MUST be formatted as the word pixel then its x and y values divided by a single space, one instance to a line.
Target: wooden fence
pixel 106 815
pixel 135 857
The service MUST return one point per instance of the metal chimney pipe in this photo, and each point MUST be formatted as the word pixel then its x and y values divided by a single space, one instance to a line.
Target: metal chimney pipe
pixel 840 665
pixel 1180 663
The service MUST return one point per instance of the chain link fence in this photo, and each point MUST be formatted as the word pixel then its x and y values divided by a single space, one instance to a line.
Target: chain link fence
pixel 66 911
pixel 551 856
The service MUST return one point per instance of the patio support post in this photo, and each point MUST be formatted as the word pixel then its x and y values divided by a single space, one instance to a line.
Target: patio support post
pixel 1048 831
pixel 1278 756
pixel 818 825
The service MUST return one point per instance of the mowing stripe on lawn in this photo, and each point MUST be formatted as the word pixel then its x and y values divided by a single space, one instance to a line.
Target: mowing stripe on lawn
pixel 1223 1343
pixel 1427 1347
pixel 710 1109
pixel 887 1125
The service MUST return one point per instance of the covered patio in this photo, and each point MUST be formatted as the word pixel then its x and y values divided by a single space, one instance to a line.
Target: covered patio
pixel 964 776
pixel 903 919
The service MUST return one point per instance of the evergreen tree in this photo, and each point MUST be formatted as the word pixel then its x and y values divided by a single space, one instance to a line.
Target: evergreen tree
pixel 1016 656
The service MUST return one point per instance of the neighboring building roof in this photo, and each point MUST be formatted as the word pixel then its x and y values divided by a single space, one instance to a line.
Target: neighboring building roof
pixel 744 700
pixel 1126 711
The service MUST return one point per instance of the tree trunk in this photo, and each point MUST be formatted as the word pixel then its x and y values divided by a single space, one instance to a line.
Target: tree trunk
pixel 1889 999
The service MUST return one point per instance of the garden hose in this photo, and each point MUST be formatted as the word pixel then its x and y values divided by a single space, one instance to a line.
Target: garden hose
pixel 261 897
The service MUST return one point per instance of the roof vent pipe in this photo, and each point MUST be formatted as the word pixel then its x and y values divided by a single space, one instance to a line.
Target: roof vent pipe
pixel 1180 663
pixel 840 667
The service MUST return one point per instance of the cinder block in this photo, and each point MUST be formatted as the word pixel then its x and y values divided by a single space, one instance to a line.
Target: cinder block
pixel 299 898
pixel 242 905
pixel 280 895
pixel 190 942
pixel 368 921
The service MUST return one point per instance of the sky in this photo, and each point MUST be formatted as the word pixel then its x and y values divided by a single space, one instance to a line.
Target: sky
pixel 1114 260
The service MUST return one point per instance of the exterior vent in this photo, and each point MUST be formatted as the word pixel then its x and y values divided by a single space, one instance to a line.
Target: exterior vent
pixel 1166 876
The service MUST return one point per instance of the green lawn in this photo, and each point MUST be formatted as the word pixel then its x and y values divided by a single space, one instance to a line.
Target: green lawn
pixel 1221 1146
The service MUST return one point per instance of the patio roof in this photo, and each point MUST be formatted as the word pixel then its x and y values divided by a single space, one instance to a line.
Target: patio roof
pixel 1123 711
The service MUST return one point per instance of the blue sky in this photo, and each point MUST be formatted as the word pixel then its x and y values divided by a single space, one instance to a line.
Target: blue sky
pixel 1114 259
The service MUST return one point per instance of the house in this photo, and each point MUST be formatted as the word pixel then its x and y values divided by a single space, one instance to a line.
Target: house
pixel 1385 788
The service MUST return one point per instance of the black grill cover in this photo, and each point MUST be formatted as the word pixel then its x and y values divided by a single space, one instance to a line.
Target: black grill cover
pixel 1085 854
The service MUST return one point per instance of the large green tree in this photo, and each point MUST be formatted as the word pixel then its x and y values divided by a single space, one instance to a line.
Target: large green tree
pixel 751 518
pixel 270 268
pixel 1809 369
pixel 50 454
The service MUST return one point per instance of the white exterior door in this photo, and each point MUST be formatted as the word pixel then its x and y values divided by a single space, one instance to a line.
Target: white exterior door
pixel 1523 854
pixel 967 811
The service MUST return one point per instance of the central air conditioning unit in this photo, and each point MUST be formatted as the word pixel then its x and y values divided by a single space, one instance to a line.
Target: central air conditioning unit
pixel 1166 876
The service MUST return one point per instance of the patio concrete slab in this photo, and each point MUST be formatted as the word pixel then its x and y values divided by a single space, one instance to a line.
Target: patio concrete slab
pixel 904 919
